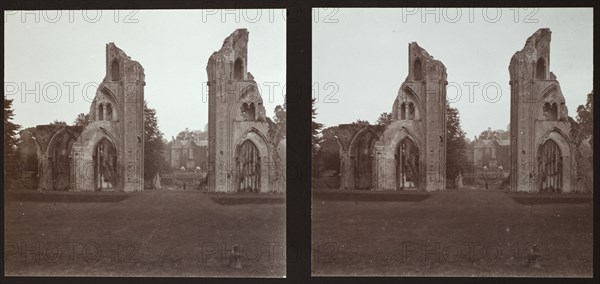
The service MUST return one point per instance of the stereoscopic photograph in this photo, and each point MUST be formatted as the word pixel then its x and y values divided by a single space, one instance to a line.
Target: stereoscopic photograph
pixel 452 142
pixel 145 143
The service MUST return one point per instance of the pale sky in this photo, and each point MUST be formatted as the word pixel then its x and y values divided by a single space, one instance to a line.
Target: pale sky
pixel 59 49
pixel 360 58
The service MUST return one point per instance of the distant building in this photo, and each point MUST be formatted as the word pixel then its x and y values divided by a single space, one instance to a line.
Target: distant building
pixel 188 153
pixel 491 152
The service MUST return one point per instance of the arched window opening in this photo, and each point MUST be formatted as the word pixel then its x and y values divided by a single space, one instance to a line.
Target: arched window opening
pixel 540 70
pixel 29 156
pixel 115 71
pixel 418 70
pixel 109 112
pixel 550 111
pixel 403 111
pixel 248 112
pixel 550 166
pixel 331 165
pixel 248 167
pixel 363 161
pixel 554 111
pixel 407 165
pixel 411 111
pixel 61 162
pixel 100 112
pixel 238 69
pixel 105 165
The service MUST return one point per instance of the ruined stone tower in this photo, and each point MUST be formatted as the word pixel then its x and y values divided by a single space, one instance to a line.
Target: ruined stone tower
pixel 240 155
pixel 542 154
pixel 411 153
pixel 109 154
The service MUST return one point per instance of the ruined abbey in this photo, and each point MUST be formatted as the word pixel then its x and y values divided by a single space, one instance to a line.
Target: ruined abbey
pixel 106 154
pixel 542 153
pixel 410 152
pixel 242 156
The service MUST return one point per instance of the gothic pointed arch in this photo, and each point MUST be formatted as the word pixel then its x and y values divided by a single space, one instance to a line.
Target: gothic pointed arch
pixel 407 158
pixel 238 69
pixel 105 163
pixel 417 70
pixel 554 162
pixel 540 69
pixel 406 96
pixel 104 101
pixel 361 151
pixel 115 72
pixel 252 162
pixel 553 110
pixel 367 130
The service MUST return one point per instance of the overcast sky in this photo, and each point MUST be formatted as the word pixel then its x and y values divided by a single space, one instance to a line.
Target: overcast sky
pixel 68 48
pixel 360 58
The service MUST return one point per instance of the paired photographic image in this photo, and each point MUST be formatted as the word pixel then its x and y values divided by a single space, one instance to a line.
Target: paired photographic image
pixel 445 142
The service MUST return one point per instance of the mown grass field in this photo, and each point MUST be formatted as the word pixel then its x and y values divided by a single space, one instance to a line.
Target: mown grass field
pixel 148 233
pixel 454 233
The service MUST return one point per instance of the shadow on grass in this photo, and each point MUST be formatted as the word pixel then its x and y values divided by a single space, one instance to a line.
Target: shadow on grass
pixel 64 197
pixel 368 196
pixel 529 200
pixel 240 200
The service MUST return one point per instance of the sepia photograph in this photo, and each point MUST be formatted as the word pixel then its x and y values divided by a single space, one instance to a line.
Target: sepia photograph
pixel 452 142
pixel 145 143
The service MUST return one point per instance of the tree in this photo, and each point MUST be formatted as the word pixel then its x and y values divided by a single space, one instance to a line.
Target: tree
pixel 498 133
pixel 316 128
pixel 83 119
pixel 329 152
pixel 455 143
pixel 154 160
pixel 278 128
pixel 502 134
pixel 585 118
pixel 280 118
pixel 315 139
pixel 10 139
pixel 183 134
pixel 201 135
pixel 58 122
pixel 582 130
pixel 384 119
pixel 360 121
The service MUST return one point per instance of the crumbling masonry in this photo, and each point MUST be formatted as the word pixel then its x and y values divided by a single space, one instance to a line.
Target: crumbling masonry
pixel 410 153
pixel 241 156
pixel 542 153
pixel 106 155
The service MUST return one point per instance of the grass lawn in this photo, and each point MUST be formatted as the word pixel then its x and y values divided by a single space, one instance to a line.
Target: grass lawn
pixel 453 233
pixel 148 233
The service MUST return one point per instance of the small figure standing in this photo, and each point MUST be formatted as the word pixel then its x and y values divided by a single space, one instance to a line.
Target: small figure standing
pixel 459 181
pixel 156 181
